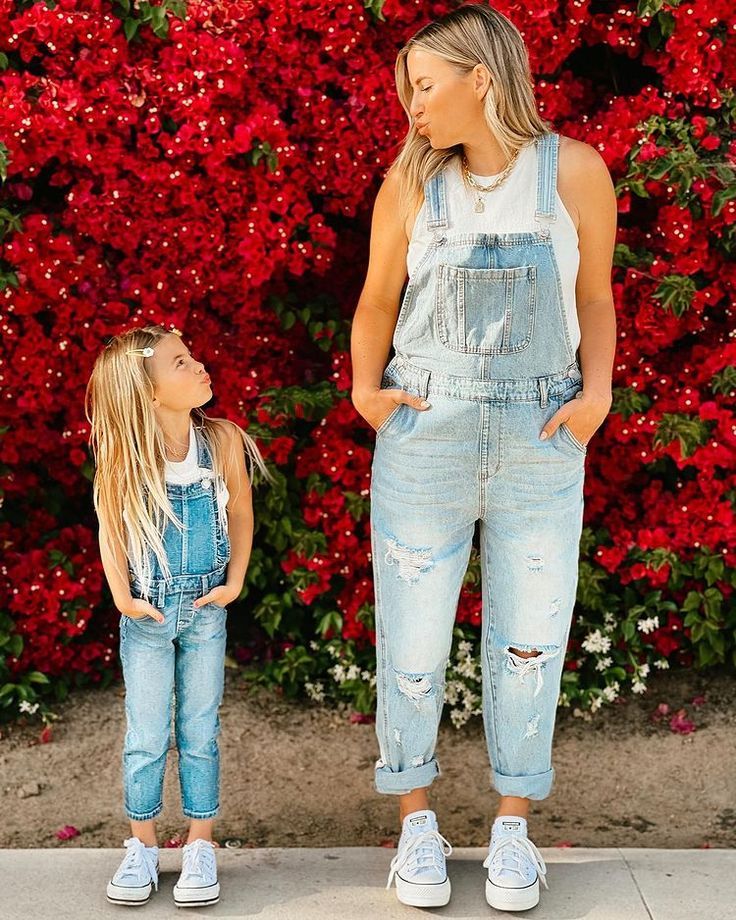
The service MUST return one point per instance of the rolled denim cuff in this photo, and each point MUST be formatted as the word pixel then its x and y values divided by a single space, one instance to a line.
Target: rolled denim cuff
pixel 144 815
pixel 536 786
pixel 400 782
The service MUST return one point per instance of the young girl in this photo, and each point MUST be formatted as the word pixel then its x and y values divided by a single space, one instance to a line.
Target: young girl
pixel 173 500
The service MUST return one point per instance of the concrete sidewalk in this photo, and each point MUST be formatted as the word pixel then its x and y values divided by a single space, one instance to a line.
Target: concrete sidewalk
pixel 348 884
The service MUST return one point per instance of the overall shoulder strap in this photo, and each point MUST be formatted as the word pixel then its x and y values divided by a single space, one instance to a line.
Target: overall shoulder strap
pixel 436 197
pixel 547 150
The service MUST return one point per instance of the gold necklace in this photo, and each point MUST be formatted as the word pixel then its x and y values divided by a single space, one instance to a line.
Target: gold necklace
pixel 176 458
pixel 479 205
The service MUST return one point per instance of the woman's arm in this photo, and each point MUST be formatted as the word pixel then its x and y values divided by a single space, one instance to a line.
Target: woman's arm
pixel 587 191
pixel 378 307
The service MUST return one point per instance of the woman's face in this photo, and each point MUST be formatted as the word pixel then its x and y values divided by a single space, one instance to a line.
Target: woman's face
pixel 447 107
pixel 179 381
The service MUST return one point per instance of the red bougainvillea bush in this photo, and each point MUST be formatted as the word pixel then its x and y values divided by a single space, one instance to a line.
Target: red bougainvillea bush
pixel 212 166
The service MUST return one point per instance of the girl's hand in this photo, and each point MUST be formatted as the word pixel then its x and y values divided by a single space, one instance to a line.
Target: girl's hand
pixel 586 414
pixel 221 595
pixel 138 608
pixel 377 405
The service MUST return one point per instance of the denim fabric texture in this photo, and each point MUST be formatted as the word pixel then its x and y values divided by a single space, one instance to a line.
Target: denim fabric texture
pixel 178 665
pixel 481 334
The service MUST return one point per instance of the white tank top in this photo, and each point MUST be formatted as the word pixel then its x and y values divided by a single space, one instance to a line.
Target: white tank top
pixel 185 471
pixel 508 209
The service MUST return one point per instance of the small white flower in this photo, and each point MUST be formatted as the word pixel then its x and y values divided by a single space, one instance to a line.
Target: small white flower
pixel 648 625
pixel 611 691
pixel 459 718
pixel 30 708
pixel 596 642
pixel 662 664
pixel 315 691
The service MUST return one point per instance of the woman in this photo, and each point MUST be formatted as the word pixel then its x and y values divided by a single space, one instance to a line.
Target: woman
pixel 504 345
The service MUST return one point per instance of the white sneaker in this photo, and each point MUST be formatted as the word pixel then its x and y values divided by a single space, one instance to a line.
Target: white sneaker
pixel 136 875
pixel 197 885
pixel 419 864
pixel 515 866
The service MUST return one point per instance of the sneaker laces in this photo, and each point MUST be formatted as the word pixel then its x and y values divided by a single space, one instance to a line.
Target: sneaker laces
pixel 420 851
pixel 510 852
pixel 198 858
pixel 139 856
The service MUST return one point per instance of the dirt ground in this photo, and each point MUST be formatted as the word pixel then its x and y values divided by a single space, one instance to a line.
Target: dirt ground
pixel 299 775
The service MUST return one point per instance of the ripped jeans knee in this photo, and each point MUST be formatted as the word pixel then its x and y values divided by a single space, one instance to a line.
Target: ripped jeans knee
pixel 530 660
pixel 411 561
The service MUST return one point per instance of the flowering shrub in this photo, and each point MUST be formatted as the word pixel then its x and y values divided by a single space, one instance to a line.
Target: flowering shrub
pixel 212 166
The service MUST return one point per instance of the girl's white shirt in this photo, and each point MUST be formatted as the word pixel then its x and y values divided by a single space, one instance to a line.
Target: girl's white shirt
pixel 187 471
pixel 184 471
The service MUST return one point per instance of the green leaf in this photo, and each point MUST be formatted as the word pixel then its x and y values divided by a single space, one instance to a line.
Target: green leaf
pixel 721 199
pixel 690 431
pixel 676 293
pixel 130 27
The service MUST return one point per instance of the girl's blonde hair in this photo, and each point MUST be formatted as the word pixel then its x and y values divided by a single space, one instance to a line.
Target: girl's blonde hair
pixel 469 35
pixel 129 490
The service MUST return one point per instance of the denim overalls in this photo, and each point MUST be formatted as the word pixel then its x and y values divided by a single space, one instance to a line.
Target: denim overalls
pixel 184 656
pixel 481 334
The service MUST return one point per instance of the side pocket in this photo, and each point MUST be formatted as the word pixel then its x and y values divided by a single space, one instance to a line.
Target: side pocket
pixel 572 439
pixel 389 419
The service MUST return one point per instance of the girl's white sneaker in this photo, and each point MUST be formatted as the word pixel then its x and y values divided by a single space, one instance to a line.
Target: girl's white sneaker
pixel 515 866
pixel 197 885
pixel 419 865
pixel 136 875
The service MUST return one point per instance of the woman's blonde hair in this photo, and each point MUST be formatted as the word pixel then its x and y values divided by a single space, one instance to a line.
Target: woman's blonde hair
pixel 469 35
pixel 129 490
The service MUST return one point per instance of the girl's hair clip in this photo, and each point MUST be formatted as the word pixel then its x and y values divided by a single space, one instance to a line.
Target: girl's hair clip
pixel 147 352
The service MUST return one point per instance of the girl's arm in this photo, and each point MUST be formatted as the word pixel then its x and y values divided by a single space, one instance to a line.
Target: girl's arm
pixel 239 519
pixel 115 566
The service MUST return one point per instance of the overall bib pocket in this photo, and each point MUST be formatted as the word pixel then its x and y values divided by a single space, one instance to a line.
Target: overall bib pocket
pixel 486 311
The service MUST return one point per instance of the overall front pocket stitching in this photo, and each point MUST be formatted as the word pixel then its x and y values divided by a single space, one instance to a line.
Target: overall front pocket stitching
pixel 460 272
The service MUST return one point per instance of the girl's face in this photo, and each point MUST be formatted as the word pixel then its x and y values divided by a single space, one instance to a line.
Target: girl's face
pixel 447 108
pixel 179 381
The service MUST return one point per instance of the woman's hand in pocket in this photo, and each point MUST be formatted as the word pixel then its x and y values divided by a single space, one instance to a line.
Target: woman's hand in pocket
pixel 582 415
pixel 376 405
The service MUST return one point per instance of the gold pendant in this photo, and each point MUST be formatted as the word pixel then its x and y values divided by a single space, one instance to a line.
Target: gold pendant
pixel 479 206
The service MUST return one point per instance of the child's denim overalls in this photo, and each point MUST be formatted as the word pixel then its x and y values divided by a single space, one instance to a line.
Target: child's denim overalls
pixel 184 656
pixel 482 335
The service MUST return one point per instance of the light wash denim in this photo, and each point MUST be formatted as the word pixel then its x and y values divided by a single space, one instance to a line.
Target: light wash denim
pixel 481 334
pixel 182 658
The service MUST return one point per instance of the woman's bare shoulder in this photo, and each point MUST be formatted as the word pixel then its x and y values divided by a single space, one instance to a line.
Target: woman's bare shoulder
pixel 580 161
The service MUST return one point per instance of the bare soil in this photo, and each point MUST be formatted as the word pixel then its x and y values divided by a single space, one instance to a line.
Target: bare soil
pixel 300 775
